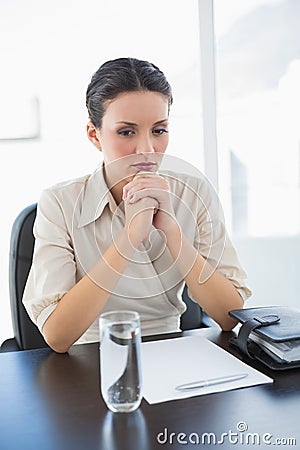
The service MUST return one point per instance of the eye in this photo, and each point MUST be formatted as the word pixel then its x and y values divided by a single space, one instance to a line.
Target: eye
pixel 125 132
pixel 159 131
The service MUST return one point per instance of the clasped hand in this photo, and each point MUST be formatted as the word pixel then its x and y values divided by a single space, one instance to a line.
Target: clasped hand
pixel 147 202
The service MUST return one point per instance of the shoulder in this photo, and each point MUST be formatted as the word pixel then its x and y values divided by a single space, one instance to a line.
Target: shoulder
pixel 196 192
pixel 59 199
pixel 65 192
pixel 182 182
pixel 68 187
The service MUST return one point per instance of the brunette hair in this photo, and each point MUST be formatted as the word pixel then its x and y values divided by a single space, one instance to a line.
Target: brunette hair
pixel 123 75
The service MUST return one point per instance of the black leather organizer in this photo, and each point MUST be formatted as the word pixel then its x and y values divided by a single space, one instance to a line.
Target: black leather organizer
pixel 274 324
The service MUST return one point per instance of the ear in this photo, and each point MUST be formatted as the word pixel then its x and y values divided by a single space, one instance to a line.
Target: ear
pixel 93 135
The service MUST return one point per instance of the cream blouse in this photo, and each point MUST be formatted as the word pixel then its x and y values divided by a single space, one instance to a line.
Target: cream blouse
pixel 77 221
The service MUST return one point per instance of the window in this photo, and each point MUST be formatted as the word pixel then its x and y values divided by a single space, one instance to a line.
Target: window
pixel 258 92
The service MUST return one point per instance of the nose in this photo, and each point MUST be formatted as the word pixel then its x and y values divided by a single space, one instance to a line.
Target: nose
pixel 145 145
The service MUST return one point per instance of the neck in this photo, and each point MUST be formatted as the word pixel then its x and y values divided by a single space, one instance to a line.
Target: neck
pixel 117 191
pixel 115 186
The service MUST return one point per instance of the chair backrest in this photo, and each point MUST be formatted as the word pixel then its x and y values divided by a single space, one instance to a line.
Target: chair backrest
pixel 27 335
pixel 193 315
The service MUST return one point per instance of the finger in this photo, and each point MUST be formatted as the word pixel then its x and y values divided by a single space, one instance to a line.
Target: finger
pixel 140 177
pixel 145 174
pixel 144 193
pixel 144 204
pixel 158 184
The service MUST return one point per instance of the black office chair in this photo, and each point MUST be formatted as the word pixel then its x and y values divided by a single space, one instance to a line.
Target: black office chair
pixel 194 316
pixel 26 334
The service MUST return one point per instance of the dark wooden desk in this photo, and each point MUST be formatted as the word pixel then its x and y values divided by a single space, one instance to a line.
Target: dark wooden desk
pixel 51 401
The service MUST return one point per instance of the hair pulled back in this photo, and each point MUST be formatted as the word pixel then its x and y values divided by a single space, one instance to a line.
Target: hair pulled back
pixel 123 75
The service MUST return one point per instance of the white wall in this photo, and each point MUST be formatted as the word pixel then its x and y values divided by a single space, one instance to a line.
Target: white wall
pixel 273 267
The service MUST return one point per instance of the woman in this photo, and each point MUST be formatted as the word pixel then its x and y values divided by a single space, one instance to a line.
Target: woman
pixel 129 236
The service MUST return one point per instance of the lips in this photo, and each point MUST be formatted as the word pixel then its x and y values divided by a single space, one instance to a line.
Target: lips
pixel 145 166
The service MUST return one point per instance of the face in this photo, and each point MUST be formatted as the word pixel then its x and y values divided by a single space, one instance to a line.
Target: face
pixel 133 135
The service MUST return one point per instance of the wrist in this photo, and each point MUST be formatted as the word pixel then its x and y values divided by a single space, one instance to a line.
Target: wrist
pixel 127 243
pixel 133 238
pixel 173 232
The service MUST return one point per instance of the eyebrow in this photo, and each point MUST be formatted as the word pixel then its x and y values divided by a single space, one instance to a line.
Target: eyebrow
pixel 124 122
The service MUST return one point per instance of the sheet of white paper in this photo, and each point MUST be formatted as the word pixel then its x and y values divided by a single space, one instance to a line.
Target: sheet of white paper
pixel 171 362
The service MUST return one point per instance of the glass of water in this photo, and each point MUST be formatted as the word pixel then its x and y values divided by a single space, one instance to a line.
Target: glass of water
pixel 120 360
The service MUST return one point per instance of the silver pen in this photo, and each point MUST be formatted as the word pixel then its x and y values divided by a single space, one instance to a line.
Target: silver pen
pixel 210 382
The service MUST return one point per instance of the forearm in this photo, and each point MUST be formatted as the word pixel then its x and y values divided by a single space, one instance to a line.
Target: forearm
pixel 212 290
pixel 81 306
